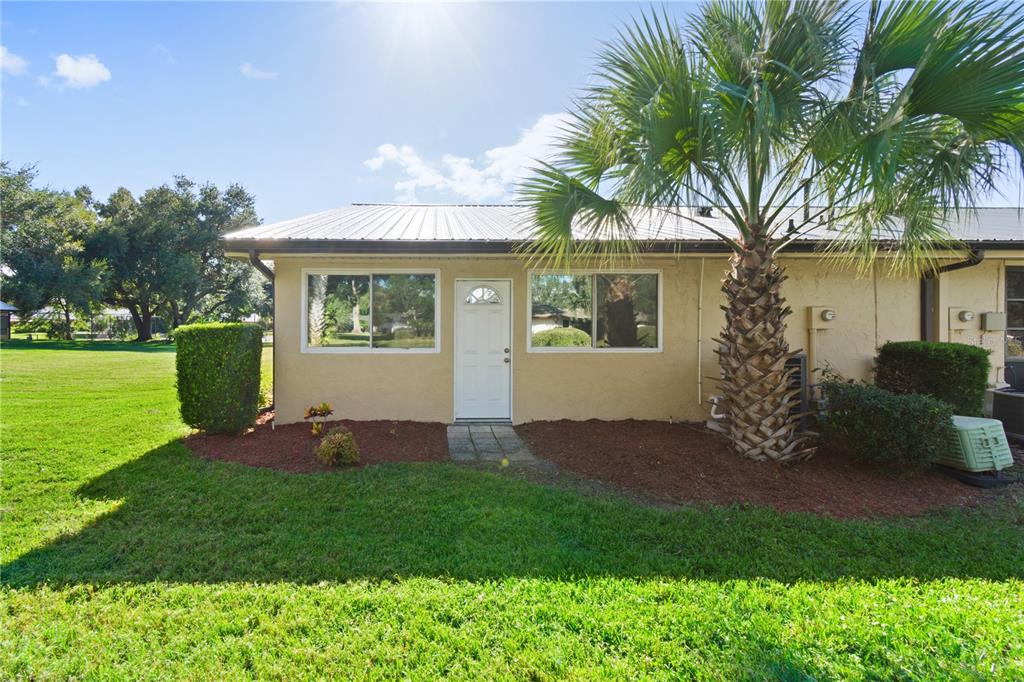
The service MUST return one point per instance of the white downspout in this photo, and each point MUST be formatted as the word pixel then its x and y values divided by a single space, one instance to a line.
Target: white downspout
pixel 700 335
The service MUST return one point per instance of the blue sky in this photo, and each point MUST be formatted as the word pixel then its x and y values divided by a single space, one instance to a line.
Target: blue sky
pixel 309 106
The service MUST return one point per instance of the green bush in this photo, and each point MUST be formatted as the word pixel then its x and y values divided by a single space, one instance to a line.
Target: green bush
pixel 647 336
pixel 338 447
pixel 219 375
pixel 954 372
pixel 561 336
pixel 903 432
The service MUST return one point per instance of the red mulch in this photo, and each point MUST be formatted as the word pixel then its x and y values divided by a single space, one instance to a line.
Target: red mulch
pixel 681 463
pixel 290 447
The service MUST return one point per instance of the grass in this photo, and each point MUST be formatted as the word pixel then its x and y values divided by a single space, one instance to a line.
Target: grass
pixel 126 556
pixel 379 341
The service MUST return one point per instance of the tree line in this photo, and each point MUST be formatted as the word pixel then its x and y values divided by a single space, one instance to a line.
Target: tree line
pixel 156 255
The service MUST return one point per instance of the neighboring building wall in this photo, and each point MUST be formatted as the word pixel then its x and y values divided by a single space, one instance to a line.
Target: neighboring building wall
pixel 869 311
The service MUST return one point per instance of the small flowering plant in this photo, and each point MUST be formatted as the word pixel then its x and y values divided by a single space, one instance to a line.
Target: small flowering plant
pixel 318 414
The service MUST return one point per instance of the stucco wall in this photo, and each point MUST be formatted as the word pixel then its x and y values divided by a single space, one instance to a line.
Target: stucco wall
pixel 869 311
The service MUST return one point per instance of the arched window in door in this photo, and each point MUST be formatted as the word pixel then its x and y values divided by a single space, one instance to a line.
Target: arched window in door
pixel 483 296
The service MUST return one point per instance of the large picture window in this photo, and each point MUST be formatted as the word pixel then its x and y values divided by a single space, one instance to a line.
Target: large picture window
pixel 595 311
pixel 365 312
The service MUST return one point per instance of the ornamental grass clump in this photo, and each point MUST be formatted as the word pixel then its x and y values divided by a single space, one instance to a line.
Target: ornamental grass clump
pixel 338 447
pixel 218 372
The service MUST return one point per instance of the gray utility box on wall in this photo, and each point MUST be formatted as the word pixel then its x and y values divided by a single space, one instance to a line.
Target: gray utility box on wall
pixel 993 322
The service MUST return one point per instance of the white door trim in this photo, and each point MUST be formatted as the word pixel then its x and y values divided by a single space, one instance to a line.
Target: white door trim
pixel 455 340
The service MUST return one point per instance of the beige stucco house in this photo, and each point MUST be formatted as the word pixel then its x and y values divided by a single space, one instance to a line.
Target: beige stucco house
pixel 429 313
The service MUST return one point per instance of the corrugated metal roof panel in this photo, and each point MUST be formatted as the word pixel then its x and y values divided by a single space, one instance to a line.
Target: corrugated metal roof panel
pixel 511 223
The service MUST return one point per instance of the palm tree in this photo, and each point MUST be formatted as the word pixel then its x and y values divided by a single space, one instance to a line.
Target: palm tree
pixel 884 122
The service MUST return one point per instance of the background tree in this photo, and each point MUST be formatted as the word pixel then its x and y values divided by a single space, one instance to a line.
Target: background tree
pixel 140 251
pixel 42 250
pixel 163 253
pixel 884 125
pixel 212 286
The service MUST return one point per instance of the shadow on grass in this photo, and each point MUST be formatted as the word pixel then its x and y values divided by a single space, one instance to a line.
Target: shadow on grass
pixel 183 519
pixel 123 346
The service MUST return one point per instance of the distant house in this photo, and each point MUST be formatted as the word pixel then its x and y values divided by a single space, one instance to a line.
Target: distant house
pixel 428 313
pixel 5 319
pixel 544 316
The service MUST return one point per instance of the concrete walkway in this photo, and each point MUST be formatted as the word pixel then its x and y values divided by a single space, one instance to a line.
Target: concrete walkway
pixel 487 443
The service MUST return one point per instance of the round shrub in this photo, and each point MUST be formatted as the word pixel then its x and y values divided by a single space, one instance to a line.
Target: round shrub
pixel 956 373
pixel 902 432
pixel 561 337
pixel 218 369
pixel 338 447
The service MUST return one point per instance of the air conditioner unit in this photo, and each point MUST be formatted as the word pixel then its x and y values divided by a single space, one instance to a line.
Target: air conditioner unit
pixel 799 380
pixel 980 445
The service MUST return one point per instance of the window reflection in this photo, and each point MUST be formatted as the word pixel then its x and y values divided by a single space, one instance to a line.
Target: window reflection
pixel 561 302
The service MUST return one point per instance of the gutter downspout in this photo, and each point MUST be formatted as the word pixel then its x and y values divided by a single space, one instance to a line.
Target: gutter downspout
pixel 700 335
pixel 254 260
pixel 928 290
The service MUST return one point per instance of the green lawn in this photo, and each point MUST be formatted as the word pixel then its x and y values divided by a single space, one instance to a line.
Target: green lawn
pixel 126 556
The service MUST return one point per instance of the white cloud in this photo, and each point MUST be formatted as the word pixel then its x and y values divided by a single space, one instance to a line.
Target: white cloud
pixel 491 177
pixel 85 71
pixel 251 72
pixel 12 64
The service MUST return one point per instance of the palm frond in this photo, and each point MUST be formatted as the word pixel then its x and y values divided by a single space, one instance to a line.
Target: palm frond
pixel 745 109
pixel 572 222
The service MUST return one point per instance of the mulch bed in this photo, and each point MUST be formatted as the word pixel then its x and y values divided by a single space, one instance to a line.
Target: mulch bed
pixel 290 447
pixel 681 463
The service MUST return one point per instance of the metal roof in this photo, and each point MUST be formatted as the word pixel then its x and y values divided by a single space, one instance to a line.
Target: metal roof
pixel 478 227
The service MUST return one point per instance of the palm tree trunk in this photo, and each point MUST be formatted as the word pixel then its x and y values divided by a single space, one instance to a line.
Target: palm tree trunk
pixel 753 353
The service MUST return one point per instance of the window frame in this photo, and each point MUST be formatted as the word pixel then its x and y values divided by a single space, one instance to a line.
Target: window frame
pixel 592 273
pixel 304 346
pixel 1006 306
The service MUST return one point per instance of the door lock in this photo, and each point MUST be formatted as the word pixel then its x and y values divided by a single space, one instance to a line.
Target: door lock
pixel 506 350
pixel 507 360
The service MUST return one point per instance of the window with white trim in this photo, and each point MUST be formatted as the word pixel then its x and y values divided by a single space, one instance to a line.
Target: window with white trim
pixel 595 311
pixel 370 311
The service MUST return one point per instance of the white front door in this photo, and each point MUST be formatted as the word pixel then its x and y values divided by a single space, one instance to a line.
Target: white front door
pixel 483 349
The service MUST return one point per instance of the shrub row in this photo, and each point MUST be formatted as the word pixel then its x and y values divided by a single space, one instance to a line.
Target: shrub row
pixel 218 368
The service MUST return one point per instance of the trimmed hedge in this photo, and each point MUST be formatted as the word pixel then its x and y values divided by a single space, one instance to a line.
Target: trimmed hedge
pixel 561 337
pixel 903 432
pixel 954 372
pixel 219 375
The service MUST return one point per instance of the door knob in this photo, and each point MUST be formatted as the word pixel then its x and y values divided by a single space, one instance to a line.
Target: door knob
pixel 507 360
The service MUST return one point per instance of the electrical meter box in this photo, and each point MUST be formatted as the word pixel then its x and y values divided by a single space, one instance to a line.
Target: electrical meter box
pixel 993 322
